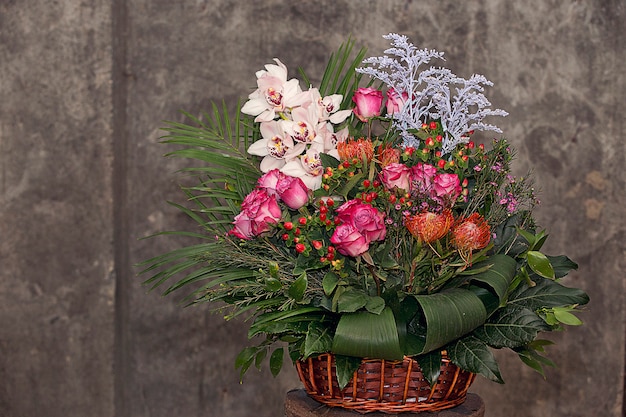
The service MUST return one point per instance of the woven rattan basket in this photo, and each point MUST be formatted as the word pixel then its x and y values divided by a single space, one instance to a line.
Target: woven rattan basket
pixel 384 386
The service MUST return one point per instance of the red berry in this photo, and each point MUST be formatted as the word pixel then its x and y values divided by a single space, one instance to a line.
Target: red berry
pixel 331 249
pixel 470 144
pixel 297 232
pixel 317 244
pixel 288 225
pixel 433 125
pixel 481 146
pixel 376 183
pixel 439 138
pixel 300 248
pixel 285 236
pixel 366 183
pixel 441 163
pixel 368 198
pixel 328 222
pixel 330 202
pixel 323 217
pixel 392 198
pixel 346 164
pixel 374 195
pixel 402 200
pixel 430 141
pixel 302 220
pixel 323 209
pixel 330 256
pixel 424 126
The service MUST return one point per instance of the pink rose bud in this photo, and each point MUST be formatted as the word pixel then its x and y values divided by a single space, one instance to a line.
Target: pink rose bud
pixel 395 101
pixel 396 175
pixel 368 102
pixel 292 192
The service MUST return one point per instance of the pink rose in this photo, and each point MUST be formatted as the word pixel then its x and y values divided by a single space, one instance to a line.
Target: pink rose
pixel 396 175
pixel 258 211
pixel 422 177
pixel 366 219
pixel 349 241
pixel 368 103
pixel 447 186
pixel 395 101
pixel 292 192
pixel 269 180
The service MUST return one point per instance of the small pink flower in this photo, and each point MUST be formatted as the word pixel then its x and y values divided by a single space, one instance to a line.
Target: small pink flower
pixel 396 175
pixel 395 101
pixel 368 103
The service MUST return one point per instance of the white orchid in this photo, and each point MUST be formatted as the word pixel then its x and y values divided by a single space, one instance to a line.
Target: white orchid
pixel 276 146
pixel 274 93
pixel 308 168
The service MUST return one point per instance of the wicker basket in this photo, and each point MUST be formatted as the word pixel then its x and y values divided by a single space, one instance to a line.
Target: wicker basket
pixel 384 386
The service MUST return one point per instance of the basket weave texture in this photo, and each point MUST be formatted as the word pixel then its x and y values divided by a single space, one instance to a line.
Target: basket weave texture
pixel 384 386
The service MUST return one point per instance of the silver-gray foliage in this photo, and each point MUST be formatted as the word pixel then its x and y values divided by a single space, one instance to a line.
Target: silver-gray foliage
pixel 431 94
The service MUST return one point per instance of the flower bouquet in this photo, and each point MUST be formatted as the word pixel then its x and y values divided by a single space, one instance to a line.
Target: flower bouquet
pixel 359 219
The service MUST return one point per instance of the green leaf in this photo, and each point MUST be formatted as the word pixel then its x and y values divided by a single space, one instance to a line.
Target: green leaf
pixel 534 360
pixel 318 339
pixel 298 287
pixel 473 355
pixel 366 335
pixel 562 265
pixel 329 160
pixel 244 359
pixel 375 304
pixel 430 364
pixel 511 326
pixel 259 358
pixel 329 283
pixel 449 315
pixel 345 367
pixel 499 276
pixel 276 361
pixel 351 301
pixel 547 293
pixel 540 264
pixel 565 317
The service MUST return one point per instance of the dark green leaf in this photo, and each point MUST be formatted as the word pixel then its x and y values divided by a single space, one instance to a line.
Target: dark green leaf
pixel 367 335
pixel 351 301
pixel 511 326
pixel 329 160
pixel 298 287
pixel 562 265
pixel 375 305
pixel 540 264
pixel 346 366
pixel 318 339
pixel 276 361
pixel 547 293
pixel 245 359
pixel 430 364
pixel 473 355
pixel 499 276
pixel 449 315
pixel 329 283
pixel 259 358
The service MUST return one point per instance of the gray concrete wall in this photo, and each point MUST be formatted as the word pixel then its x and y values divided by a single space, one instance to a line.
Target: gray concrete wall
pixel 84 87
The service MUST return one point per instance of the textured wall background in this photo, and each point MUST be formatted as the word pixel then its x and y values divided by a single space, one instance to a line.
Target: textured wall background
pixel 84 87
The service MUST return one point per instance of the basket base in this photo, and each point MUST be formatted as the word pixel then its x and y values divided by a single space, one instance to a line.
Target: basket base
pixel 299 404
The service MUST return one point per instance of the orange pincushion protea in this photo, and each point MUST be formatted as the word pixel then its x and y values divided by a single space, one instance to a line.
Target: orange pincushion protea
pixel 429 227
pixel 356 149
pixel 388 155
pixel 471 233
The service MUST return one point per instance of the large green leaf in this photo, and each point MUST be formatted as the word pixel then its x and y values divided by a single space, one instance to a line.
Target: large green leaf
pixel 472 354
pixel 540 264
pixel 449 315
pixel 511 326
pixel 547 293
pixel 499 276
pixel 561 265
pixel 430 365
pixel 366 335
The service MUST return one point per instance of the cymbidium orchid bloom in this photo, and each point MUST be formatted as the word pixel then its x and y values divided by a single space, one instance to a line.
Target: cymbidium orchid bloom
pixel 274 93
pixel 329 107
pixel 308 168
pixel 275 146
